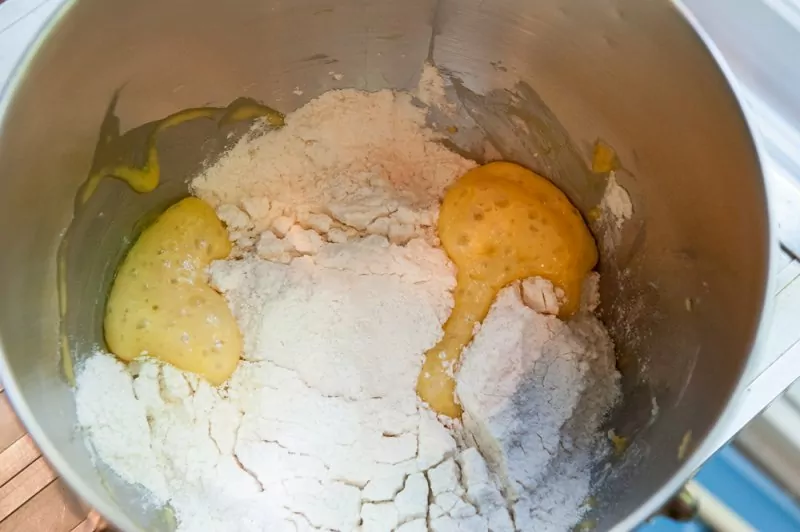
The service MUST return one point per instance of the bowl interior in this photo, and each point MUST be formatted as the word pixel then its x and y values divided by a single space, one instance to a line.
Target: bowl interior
pixel 683 282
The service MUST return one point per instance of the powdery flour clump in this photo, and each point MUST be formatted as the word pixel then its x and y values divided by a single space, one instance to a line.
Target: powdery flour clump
pixel 534 391
pixel 339 288
pixel 345 164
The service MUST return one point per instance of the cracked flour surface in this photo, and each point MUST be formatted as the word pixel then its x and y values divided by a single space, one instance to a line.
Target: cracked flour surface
pixel 339 288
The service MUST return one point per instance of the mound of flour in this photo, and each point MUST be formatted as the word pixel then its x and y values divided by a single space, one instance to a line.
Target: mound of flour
pixel 339 289
pixel 346 163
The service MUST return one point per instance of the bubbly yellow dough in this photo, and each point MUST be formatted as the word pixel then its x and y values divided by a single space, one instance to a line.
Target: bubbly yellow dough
pixel 161 304
pixel 500 223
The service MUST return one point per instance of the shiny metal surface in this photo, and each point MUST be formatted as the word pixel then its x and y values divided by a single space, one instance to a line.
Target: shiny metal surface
pixel 632 73
pixel 758 38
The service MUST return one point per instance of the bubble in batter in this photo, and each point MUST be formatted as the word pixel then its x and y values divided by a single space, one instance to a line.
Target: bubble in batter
pixel 500 223
pixel 161 305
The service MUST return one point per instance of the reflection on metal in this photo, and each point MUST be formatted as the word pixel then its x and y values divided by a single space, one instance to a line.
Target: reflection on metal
pixel 685 444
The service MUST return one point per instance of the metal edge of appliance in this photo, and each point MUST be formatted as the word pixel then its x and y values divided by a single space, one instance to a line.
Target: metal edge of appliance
pixel 755 37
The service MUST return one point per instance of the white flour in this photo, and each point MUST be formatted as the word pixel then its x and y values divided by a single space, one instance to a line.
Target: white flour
pixel 616 209
pixel 524 378
pixel 616 206
pixel 345 163
pixel 339 290
pixel 431 89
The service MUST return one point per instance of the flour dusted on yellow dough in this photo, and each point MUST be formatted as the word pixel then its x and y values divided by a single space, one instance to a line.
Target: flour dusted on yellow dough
pixel 501 223
pixel 161 304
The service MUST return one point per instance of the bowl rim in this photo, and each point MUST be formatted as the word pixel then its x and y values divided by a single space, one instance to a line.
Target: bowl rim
pixel 715 438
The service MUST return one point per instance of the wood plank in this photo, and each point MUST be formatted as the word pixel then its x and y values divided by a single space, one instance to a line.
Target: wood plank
pixel 24 486
pixel 20 455
pixel 54 509
pixel 84 526
pixel 10 428
pixel 93 523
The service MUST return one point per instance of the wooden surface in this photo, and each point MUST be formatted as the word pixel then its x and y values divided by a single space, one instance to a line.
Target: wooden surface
pixel 32 498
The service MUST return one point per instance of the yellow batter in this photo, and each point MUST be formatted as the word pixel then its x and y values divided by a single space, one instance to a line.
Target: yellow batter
pixel 500 223
pixel 146 178
pixel 161 304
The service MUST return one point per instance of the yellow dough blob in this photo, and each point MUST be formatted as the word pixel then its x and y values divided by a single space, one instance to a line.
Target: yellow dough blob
pixel 500 223
pixel 161 304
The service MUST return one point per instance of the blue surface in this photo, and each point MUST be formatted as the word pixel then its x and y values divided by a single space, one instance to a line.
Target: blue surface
pixel 739 484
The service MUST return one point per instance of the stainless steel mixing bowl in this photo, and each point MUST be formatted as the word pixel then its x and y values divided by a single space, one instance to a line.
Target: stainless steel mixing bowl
pixel 684 290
